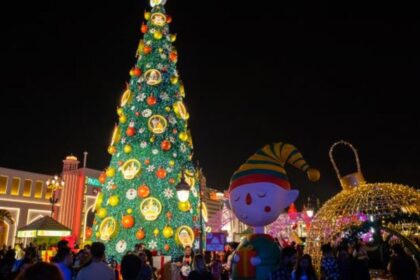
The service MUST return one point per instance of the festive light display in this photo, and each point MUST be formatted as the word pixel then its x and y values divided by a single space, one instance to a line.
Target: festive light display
pixel 360 201
pixel 151 146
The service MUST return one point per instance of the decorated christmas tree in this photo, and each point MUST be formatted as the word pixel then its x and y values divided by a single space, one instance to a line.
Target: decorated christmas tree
pixel 150 192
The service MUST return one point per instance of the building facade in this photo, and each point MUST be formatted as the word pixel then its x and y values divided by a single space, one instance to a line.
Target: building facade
pixel 26 196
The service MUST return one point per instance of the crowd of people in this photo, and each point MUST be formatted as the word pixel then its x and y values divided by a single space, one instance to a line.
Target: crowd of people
pixel 338 263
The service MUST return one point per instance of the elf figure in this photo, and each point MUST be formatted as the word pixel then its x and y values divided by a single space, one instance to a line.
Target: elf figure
pixel 258 193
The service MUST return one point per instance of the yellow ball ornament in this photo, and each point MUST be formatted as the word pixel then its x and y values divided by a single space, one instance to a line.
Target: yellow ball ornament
pixel 110 172
pixel 156 232
pixel 160 50
pixel 167 109
pixel 120 111
pixel 101 213
pixel 129 211
pixel 172 38
pixel 113 200
pixel 184 206
pixel 147 15
pixel 183 136
pixel 313 174
pixel 127 149
pixel 174 80
pixel 97 234
pixel 123 119
pixel 168 232
pixel 157 35
pixel 112 150
pixel 171 163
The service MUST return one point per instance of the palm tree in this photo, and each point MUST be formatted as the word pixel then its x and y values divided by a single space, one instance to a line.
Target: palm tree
pixel 5 215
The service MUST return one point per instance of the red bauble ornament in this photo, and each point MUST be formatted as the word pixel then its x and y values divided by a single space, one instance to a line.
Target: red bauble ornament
pixel 143 191
pixel 172 181
pixel 147 49
pixel 127 221
pixel 137 114
pixel 140 234
pixel 173 56
pixel 168 19
pixel 166 247
pixel 169 215
pixel 174 131
pixel 120 162
pixel 147 161
pixel 165 145
pixel 130 131
pixel 102 178
pixel 136 72
pixel 88 233
pixel 161 173
pixel 144 28
pixel 151 100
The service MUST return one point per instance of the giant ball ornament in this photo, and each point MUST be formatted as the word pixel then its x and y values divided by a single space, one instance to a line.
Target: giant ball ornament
pixel 123 119
pixel 147 15
pixel 102 178
pixel 147 49
pixel 112 150
pixel 184 206
pixel 165 145
pixel 143 191
pixel 127 149
pixel 183 136
pixel 113 200
pixel 144 28
pixel 131 131
pixel 151 100
pixel 161 173
pixel 172 38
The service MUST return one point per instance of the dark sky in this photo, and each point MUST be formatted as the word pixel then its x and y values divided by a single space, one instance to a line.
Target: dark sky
pixel 306 73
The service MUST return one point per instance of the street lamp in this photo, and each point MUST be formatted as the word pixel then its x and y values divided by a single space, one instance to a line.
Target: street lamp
pixel 309 209
pixel 54 184
pixel 183 189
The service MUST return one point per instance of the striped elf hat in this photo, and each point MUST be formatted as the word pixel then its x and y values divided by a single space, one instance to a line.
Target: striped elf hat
pixel 267 165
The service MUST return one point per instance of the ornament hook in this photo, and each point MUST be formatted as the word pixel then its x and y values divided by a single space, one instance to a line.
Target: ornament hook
pixel 351 180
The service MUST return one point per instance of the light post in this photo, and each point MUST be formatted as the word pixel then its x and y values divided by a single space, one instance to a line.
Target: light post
pixel 54 184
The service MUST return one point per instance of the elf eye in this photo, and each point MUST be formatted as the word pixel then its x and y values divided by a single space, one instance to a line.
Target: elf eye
pixel 261 194
pixel 237 198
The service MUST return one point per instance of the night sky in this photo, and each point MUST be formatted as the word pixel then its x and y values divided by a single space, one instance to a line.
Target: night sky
pixel 306 73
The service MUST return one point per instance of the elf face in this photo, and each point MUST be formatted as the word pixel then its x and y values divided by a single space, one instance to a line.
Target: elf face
pixel 260 204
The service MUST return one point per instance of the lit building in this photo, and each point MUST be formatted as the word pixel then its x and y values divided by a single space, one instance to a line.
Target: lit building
pixel 26 196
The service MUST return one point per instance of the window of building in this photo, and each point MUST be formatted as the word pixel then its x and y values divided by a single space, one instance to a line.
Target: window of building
pixel 48 193
pixel 38 189
pixel 15 186
pixel 27 187
pixel 3 184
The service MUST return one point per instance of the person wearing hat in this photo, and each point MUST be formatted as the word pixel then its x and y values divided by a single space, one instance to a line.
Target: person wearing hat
pixel 259 191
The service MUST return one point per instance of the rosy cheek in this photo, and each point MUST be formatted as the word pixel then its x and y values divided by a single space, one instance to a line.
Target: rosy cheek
pixel 267 209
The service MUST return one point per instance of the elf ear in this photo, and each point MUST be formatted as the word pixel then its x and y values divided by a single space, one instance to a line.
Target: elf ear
pixel 291 196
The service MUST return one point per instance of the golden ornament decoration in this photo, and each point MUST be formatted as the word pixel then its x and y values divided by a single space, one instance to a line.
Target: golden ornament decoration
pixel 130 169
pixel 147 15
pixel 157 124
pixel 110 172
pixel 167 247
pixel 150 208
pixel 182 90
pixel 174 80
pixel 158 19
pixel 156 232
pixel 112 150
pixel 123 119
pixel 184 206
pixel 120 111
pixel 184 236
pixel 359 202
pixel 180 110
pixel 129 211
pixel 183 136
pixel 127 149
pixel 167 109
pixel 99 200
pixel 153 77
pixel 171 163
pixel 167 232
pixel 101 213
pixel 172 38
pixel 108 229
pixel 116 135
pixel 126 97
pixel 157 35
pixel 113 200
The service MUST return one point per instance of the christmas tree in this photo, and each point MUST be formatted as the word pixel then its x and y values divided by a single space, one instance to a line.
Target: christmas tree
pixel 150 192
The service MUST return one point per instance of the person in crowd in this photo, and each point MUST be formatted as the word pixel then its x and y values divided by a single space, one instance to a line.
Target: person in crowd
pixel 97 269
pixel 41 271
pixel 359 268
pixel 130 267
pixel 60 244
pixel 7 263
pixel 401 266
pixel 304 269
pixel 216 266
pixel 199 271
pixel 184 262
pixel 329 267
pixel 146 271
pixel 344 262
pixel 64 260
pixel 288 259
